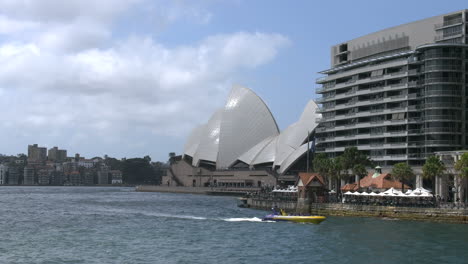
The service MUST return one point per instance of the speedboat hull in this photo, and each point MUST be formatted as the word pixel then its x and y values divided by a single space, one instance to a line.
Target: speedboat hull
pixel 296 218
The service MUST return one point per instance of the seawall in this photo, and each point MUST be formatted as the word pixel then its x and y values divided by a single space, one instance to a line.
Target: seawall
pixel 446 215
pixel 194 190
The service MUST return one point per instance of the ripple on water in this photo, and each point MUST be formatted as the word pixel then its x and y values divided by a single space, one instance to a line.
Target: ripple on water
pixel 118 225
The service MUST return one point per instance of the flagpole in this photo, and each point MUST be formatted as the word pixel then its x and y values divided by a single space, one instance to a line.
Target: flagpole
pixel 308 150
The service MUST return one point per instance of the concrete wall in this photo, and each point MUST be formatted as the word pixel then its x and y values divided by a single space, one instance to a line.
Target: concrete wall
pixel 188 174
pixel 447 215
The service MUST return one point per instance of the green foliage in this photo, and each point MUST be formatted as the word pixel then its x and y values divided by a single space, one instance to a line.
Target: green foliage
pixel 137 171
pixel 352 156
pixel 359 170
pixel 462 165
pixel 113 163
pixel 337 167
pixel 402 172
pixel 433 168
pixel 322 164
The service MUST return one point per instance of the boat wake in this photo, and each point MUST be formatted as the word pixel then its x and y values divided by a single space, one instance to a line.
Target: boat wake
pixel 253 219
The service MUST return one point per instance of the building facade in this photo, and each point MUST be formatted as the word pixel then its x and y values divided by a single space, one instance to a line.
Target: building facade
pixel 57 155
pixel 36 153
pixel 28 175
pixel 3 174
pixel 398 94
pixel 116 176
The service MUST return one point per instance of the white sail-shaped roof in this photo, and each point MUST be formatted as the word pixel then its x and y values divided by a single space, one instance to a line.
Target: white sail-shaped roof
pixel 194 140
pixel 249 156
pixel 292 158
pixel 296 134
pixel 209 141
pixel 268 153
pixel 246 121
pixel 245 130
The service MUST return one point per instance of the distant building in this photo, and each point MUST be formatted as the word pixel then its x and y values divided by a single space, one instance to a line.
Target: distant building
pixel 28 175
pixel 57 155
pixel 88 178
pixel 3 174
pixel 116 176
pixel 44 176
pixel 36 153
pixel 13 176
pixel 86 163
pixel 57 178
pixel 75 178
pixel 103 174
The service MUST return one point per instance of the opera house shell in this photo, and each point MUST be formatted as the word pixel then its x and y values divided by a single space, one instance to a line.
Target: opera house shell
pixel 244 132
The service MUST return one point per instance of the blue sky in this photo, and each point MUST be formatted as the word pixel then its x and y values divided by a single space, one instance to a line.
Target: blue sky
pixel 130 78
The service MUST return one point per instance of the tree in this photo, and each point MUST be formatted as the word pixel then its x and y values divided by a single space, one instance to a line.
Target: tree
pixel 432 168
pixel 137 171
pixel 322 165
pixel 336 169
pixel 353 157
pixel 462 167
pixel 147 158
pixel 402 172
pixel 360 171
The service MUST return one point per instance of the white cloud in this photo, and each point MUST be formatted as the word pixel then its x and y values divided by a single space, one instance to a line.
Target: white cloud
pixel 69 79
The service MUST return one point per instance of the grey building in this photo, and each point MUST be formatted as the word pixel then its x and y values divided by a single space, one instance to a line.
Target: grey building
pixel 3 174
pixel 37 153
pixel 398 94
pixel 28 175
pixel 57 155
pixel 103 174
pixel 13 175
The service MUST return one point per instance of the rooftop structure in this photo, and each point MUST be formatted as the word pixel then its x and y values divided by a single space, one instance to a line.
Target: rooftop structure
pixel 398 94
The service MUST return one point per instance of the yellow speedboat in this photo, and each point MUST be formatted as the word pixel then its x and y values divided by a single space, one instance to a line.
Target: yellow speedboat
pixel 282 216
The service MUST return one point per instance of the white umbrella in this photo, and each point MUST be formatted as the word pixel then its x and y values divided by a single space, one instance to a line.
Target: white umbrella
pixel 348 193
pixel 373 194
pixel 409 192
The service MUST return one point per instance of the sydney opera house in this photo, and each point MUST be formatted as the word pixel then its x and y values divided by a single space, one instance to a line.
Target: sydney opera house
pixel 241 146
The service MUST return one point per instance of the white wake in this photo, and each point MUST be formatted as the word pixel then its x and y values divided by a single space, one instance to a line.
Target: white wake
pixel 253 219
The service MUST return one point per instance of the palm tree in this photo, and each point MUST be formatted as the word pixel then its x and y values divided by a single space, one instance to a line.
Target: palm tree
pixel 462 167
pixel 432 169
pixel 336 169
pixel 322 165
pixel 353 157
pixel 402 172
pixel 360 171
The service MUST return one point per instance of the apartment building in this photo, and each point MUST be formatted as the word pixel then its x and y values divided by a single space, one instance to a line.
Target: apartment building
pixel 398 94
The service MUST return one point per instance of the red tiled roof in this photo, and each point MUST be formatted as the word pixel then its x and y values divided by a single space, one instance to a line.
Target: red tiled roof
pixel 307 178
pixel 383 181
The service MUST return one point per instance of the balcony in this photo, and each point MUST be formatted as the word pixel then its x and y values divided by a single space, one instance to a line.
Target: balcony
pixel 448 36
pixel 321 79
pixel 449 23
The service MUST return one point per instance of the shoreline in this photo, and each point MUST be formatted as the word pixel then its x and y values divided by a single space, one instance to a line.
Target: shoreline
pixel 194 190
pixel 428 214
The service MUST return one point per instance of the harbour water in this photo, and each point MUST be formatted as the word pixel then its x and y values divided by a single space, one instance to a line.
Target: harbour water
pixel 119 225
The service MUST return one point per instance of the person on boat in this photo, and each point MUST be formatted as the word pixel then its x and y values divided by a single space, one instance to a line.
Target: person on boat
pixel 274 210
pixel 282 212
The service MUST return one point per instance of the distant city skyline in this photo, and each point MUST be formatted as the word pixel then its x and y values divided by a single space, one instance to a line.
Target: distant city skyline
pixel 130 78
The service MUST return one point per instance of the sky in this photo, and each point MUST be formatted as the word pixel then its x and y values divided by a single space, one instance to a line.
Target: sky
pixel 129 78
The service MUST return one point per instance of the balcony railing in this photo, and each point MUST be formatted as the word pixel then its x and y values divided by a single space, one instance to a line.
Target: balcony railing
pixel 448 35
pixel 448 23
